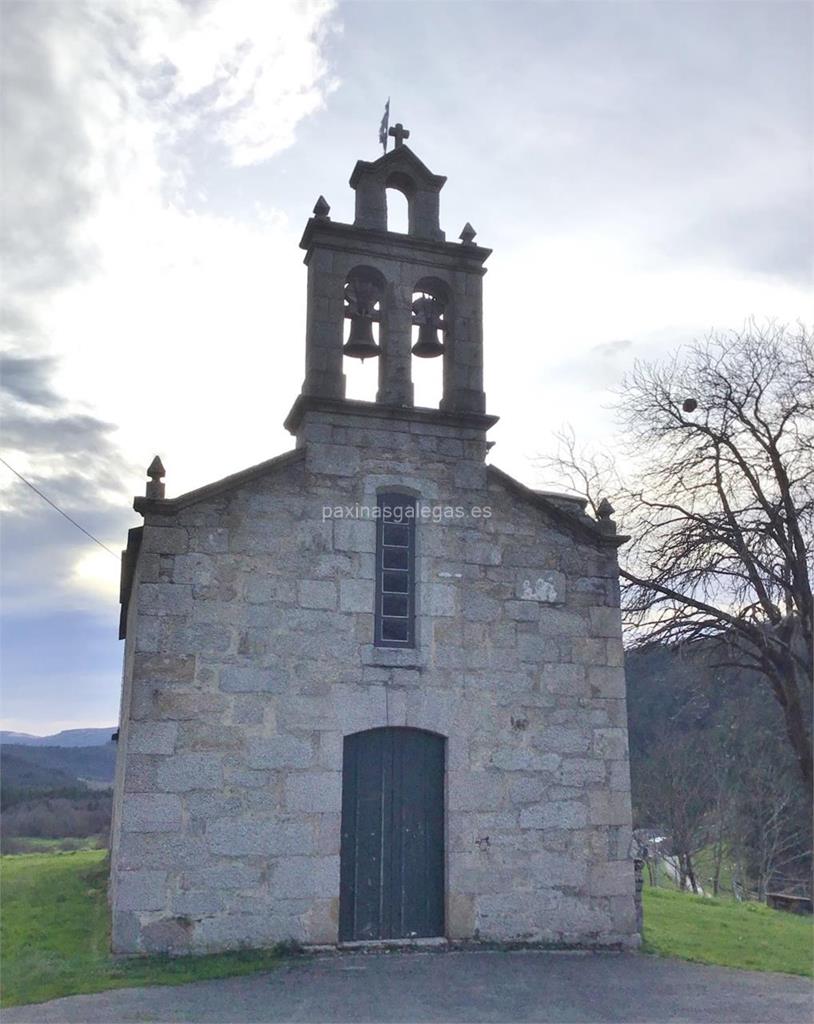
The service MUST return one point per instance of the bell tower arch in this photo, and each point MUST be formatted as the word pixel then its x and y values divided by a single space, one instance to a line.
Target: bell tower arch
pixel 407 294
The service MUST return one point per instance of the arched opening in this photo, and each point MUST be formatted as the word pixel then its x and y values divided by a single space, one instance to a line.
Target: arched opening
pixel 364 293
pixel 398 211
pixel 392 854
pixel 431 316
pixel 399 191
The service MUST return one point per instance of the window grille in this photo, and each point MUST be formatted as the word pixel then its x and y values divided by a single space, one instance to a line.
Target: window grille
pixel 395 571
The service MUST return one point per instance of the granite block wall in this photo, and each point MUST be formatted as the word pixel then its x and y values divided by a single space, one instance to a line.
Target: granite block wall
pixel 249 657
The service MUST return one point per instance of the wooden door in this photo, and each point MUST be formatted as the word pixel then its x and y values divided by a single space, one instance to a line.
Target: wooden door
pixel 392 856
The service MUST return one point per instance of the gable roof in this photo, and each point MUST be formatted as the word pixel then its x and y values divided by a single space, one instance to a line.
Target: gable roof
pixel 169 506
pixel 557 507
pixel 400 158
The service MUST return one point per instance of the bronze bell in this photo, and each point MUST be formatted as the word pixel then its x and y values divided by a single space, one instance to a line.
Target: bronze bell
pixel 428 345
pixel 426 313
pixel 361 343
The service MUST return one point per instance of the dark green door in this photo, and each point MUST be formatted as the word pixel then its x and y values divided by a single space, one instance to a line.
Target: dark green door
pixel 392 858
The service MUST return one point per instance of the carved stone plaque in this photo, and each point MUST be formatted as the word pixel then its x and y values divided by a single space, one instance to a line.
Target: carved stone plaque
pixel 546 586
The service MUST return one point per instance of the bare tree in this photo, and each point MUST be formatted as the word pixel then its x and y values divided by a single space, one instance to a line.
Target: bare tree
pixel 721 771
pixel 770 829
pixel 669 789
pixel 590 474
pixel 721 506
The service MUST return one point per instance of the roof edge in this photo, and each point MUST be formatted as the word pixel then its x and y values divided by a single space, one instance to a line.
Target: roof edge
pixel 470 254
pixel 588 527
pixel 363 167
pixel 128 571
pixel 169 506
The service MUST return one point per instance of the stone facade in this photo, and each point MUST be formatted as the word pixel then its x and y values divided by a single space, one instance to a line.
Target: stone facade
pixel 250 656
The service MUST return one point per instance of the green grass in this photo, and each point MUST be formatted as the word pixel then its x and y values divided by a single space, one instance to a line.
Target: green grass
pixel 55 939
pixel 712 931
pixel 38 845
pixel 703 861
pixel 35 844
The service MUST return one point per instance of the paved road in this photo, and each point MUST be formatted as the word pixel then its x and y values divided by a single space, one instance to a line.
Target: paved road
pixel 456 986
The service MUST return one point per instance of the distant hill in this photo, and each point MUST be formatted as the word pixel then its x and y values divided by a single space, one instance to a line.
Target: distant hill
pixel 22 774
pixel 66 738
pixel 54 792
pixel 51 768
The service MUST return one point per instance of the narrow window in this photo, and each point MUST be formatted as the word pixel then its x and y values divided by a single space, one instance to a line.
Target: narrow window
pixel 395 571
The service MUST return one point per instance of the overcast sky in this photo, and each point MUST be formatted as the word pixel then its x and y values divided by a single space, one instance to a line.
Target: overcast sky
pixel 641 170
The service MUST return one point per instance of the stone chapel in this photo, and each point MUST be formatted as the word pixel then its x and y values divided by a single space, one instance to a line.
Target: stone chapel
pixel 373 688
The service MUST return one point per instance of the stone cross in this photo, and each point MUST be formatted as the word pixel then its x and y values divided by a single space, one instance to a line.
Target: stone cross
pixel 399 133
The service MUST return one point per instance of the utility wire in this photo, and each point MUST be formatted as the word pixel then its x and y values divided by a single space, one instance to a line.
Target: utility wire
pixel 65 514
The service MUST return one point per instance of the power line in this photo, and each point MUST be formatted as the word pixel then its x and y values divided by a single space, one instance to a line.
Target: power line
pixel 54 506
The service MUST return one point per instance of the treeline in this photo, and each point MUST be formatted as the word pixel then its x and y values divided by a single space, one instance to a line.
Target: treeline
pixel 58 817
pixel 54 793
pixel 29 764
pixel 712 768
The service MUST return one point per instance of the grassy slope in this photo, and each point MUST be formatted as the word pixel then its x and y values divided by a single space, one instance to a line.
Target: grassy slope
pixel 711 931
pixel 704 869
pixel 36 844
pixel 54 933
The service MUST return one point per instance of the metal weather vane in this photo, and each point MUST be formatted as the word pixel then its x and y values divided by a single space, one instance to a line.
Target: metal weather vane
pixel 385 124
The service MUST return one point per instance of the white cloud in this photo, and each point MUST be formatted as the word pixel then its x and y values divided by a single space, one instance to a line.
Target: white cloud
pixel 552 304
pixel 635 183
pixel 95 571
pixel 187 338
pixel 247 72
pixel 149 313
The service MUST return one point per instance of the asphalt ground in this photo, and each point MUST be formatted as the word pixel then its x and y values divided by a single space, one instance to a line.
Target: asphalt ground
pixel 456 986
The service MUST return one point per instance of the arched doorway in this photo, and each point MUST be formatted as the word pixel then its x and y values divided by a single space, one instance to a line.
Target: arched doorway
pixel 392 855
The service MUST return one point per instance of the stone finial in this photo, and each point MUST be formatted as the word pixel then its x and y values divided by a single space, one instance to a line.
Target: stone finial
pixel 322 209
pixel 604 511
pixel 467 236
pixel 155 471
